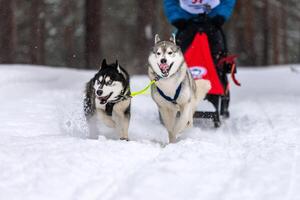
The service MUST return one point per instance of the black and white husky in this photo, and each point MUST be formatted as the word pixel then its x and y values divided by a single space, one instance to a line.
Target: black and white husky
pixel 175 92
pixel 107 99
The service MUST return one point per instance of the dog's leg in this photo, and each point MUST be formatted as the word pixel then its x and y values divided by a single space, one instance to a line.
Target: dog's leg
pixel 173 118
pixel 92 125
pixel 184 120
pixel 194 105
pixel 169 118
pixel 107 120
pixel 122 122
pixel 121 115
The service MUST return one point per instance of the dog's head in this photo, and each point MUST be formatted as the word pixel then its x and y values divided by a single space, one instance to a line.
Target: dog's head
pixel 166 57
pixel 110 82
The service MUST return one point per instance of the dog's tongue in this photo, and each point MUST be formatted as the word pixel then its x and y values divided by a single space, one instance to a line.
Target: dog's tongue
pixel 164 67
pixel 103 100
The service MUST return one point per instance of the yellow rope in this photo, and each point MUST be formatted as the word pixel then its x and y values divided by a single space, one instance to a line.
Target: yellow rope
pixel 143 91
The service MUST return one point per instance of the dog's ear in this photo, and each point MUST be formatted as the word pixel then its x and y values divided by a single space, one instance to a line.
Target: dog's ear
pixel 156 39
pixel 104 64
pixel 173 39
pixel 118 66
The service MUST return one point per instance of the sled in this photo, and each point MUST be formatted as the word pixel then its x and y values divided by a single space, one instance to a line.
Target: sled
pixel 202 66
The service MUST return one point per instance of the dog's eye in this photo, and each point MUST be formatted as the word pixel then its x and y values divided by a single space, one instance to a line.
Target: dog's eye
pixel 158 53
pixel 109 82
pixel 170 52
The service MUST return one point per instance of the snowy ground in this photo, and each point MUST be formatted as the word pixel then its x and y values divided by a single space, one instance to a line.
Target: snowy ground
pixel 44 154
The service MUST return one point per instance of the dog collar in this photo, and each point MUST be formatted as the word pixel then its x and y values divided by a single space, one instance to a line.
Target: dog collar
pixel 110 105
pixel 125 94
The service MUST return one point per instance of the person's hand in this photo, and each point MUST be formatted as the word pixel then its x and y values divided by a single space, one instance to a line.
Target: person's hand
pixel 218 20
pixel 180 24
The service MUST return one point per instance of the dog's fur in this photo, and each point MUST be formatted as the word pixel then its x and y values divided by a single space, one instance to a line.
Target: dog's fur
pixel 107 97
pixel 167 65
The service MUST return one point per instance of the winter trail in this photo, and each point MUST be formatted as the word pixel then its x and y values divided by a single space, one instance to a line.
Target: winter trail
pixel 44 153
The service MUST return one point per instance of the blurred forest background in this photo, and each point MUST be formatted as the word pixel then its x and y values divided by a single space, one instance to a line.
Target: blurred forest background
pixel 79 33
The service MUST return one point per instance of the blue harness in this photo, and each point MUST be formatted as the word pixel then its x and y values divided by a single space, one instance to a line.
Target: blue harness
pixel 173 100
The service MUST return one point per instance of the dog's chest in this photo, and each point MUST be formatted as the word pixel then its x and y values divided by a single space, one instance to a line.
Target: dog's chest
pixel 99 105
pixel 106 108
pixel 169 87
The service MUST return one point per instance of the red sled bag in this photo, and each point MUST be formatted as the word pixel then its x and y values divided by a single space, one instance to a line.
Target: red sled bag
pixel 200 63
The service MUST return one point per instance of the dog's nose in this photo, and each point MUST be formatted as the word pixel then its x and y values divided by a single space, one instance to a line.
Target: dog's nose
pixel 163 61
pixel 99 92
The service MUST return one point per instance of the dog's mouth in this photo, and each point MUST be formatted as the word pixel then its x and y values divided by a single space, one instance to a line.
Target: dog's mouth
pixel 103 99
pixel 165 68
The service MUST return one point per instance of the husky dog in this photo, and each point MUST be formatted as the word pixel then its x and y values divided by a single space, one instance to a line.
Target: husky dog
pixel 175 92
pixel 107 97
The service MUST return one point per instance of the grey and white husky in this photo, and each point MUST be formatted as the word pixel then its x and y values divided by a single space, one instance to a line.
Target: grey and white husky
pixel 107 99
pixel 175 92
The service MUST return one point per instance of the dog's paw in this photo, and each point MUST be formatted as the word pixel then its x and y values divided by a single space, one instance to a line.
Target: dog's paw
pixel 126 139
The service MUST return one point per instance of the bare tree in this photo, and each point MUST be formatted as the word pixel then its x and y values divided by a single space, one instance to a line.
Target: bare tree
pixel 249 33
pixel 266 34
pixel 275 38
pixel 8 31
pixel 284 19
pixel 239 31
pixel 299 46
pixel 68 32
pixel 93 9
pixel 165 29
pixel 145 30
pixel 37 38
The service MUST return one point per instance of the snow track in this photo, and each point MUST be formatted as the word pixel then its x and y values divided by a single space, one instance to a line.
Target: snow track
pixel 44 153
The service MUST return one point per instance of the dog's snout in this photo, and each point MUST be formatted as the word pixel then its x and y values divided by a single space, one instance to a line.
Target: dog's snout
pixel 99 92
pixel 163 61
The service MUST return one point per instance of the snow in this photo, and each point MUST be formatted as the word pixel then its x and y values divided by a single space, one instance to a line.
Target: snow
pixel 44 153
